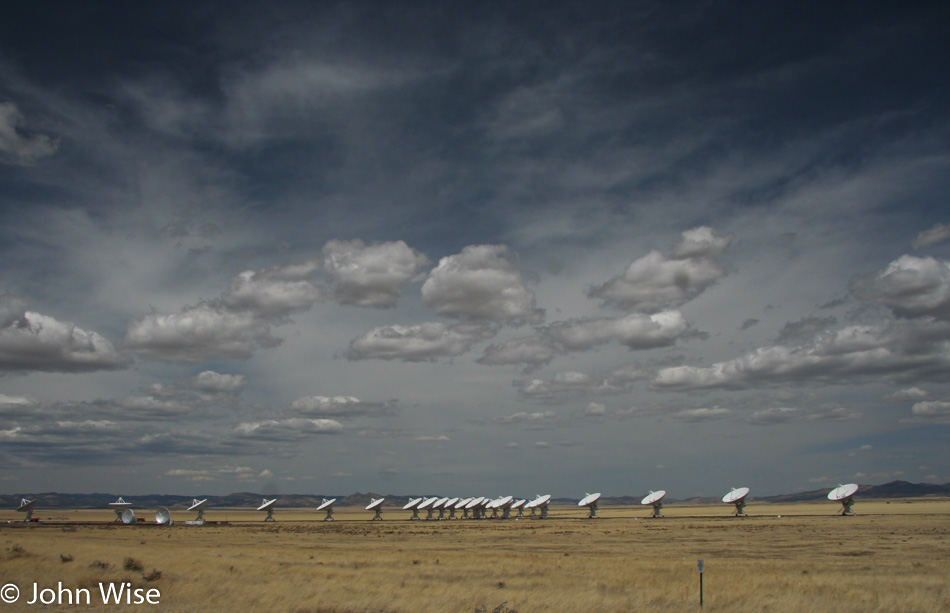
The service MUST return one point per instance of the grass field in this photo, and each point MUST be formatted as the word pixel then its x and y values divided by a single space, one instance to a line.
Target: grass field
pixel 787 557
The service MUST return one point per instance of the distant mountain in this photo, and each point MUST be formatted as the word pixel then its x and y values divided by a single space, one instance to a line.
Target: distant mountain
pixel 54 500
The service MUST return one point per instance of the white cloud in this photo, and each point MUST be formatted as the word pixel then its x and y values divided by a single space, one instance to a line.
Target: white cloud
pixel 432 439
pixel 893 350
pixel 636 331
pixel 218 383
pixel 935 411
pixel 36 342
pixel 340 406
pixel 479 283
pixel 17 147
pixel 702 414
pixel 269 294
pixel 654 282
pixel 776 415
pixel 911 286
pixel 287 429
pixel 909 393
pixel 232 326
pixel 525 417
pixel 198 333
pixel 16 401
pixel 938 233
pixel 370 276
pixel 424 342
pixel 534 351
pixel 595 409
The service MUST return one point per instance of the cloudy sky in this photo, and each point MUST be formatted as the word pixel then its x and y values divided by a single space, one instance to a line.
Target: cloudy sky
pixel 444 248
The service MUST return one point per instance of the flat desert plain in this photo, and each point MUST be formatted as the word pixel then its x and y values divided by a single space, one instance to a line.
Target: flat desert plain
pixel 892 556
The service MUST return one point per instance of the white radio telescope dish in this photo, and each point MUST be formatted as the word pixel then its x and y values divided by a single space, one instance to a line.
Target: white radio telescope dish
pixel 119 506
pixel 198 505
pixel 504 503
pixel 845 495
pixel 327 505
pixel 518 505
pixel 439 505
pixel 414 505
pixel 376 504
pixel 163 517
pixel 268 505
pixel 26 506
pixel 450 507
pixel 737 497
pixel 128 516
pixel 540 503
pixel 590 501
pixel 656 500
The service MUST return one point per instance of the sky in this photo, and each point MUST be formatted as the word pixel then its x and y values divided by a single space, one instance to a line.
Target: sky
pixel 528 248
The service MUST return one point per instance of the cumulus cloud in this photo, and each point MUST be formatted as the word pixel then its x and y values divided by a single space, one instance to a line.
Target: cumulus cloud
pixel 370 276
pixel 702 414
pixel 936 411
pixel 218 383
pixel 481 284
pixel 911 287
pixel 636 331
pixel 291 429
pixel 272 292
pixel 534 351
pixel 938 233
pixel 775 415
pixel 18 146
pixel 340 406
pixel 31 341
pixel 896 350
pixel 595 409
pixel 232 326
pixel 655 282
pixel 781 415
pixel 424 342
pixel 907 394
pixel 199 333
pixel 522 417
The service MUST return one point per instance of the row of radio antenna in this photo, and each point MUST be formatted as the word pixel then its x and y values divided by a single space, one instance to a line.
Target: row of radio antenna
pixel 465 508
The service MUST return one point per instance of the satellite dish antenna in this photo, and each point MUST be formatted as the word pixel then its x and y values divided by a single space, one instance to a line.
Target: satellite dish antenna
pixel 128 516
pixel 119 506
pixel 163 517
pixel 440 505
pixel 845 495
pixel 327 505
pixel 656 500
pixel 267 505
pixel 450 507
pixel 26 506
pixel 198 505
pixel 518 505
pixel 426 505
pixel 414 505
pixel 540 503
pixel 460 505
pixel 737 497
pixel 475 505
pixel 376 504
pixel 590 501
pixel 503 503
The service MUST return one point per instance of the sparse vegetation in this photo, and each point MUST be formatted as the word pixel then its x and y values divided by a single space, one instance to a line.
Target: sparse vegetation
pixel 879 561
pixel 132 564
pixel 64 557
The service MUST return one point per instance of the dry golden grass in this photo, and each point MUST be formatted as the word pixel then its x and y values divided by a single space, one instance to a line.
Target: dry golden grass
pixel 891 557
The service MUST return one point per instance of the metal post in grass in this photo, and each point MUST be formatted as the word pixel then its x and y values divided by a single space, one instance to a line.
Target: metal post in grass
pixel 700 565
